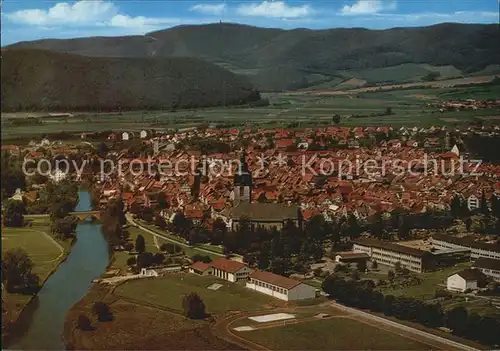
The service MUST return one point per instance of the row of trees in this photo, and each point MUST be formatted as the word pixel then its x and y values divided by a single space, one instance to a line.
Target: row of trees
pixel 361 294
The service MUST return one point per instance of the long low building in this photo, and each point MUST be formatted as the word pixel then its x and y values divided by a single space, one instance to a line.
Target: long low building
pixel 222 268
pixel 489 267
pixel 280 287
pixel 389 254
pixel 478 249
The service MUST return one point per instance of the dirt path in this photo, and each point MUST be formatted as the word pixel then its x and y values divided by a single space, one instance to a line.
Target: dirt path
pixel 154 234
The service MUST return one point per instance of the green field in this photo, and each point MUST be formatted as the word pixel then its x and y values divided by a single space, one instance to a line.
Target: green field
pixel 409 107
pixel 190 251
pixel 331 334
pixel 168 292
pixel 45 254
pixel 120 257
pixel 430 283
pixel 477 305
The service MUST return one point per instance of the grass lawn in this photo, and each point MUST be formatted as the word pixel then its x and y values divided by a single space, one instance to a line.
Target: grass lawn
pixel 120 257
pixel 168 292
pixel 331 334
pixel 430 283
pixel 473 305
pixel 188 251
pixel 44 253
pixel 136 327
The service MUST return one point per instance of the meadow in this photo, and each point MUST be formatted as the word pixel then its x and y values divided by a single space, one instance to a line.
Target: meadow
pixel 45 252
pixel 168 292
pixel 409 107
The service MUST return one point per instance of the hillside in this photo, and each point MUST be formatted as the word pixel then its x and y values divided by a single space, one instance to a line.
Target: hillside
pixel 44 80
pixel 276 59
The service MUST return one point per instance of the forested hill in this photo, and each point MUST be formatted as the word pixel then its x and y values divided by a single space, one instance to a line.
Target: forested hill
pixel 43 80
pixel 277 59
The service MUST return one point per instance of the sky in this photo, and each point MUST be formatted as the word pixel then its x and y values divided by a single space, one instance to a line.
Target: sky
pixel 37 19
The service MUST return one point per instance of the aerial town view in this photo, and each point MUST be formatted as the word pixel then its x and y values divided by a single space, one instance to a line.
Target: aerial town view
pixel 250 175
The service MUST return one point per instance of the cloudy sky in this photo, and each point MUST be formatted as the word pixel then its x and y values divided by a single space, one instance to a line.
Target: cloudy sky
pixel 35 19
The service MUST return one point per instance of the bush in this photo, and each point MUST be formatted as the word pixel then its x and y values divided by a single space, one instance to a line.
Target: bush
pixel 84 323
pixel 193 306
pixel 131 261
pixel 102 311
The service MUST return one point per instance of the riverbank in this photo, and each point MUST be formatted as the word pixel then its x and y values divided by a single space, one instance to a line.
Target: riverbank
pixel 86 261
pixel 137 325
pixel 47 254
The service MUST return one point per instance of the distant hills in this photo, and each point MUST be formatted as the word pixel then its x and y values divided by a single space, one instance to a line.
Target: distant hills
pixel 37 80
pixel 276 59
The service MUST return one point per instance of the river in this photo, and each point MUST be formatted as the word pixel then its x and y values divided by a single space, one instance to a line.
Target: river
pixel 87 260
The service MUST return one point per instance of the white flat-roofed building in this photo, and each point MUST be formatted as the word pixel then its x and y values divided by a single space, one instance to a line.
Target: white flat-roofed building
pixel 280 287
pixel 389 254
pixel 478 249
pixel 489 267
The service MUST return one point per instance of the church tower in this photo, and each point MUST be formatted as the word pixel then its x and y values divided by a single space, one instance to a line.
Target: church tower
pixel 195 189
pixel 242 182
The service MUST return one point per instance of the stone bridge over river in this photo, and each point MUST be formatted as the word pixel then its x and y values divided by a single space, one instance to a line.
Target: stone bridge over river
pixel 83 215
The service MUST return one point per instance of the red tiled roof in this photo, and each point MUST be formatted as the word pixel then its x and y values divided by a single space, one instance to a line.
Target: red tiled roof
pixel 274 279
pixel 200 266
pixel 227 265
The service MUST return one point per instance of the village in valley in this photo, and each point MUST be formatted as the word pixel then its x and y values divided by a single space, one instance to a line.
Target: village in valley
pixel 310 224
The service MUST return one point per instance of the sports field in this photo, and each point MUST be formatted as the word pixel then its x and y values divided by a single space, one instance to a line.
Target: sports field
pixel 168 292
pixel 330 334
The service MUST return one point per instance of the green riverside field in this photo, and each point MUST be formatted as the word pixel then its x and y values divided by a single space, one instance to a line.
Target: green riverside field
pixel 168 292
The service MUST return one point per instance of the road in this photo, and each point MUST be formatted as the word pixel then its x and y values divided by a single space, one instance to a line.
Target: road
pixel 135 224
pixel 416 334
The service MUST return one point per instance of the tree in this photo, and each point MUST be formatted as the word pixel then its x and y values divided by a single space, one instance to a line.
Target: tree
pixel 355 275
pixel 17 271
pixel 361 266
pixel 336 119
pixel 193 306
pixel 12 176
pixel 102 149
pixel 201 258
pixel 131 261
pixel 397 267
pixel 219 230
pixel 144 259
pixel 160 221
pixel 83 323
pixel 431 76
pixel 456 320
pixel 147 214
pixel 102 311
pixel 14 214
pixel 484 204
pixel 390 276
pixel 403 228
pixel 64 228
pixel 140 244
pixel 495 205
pixel 374 265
